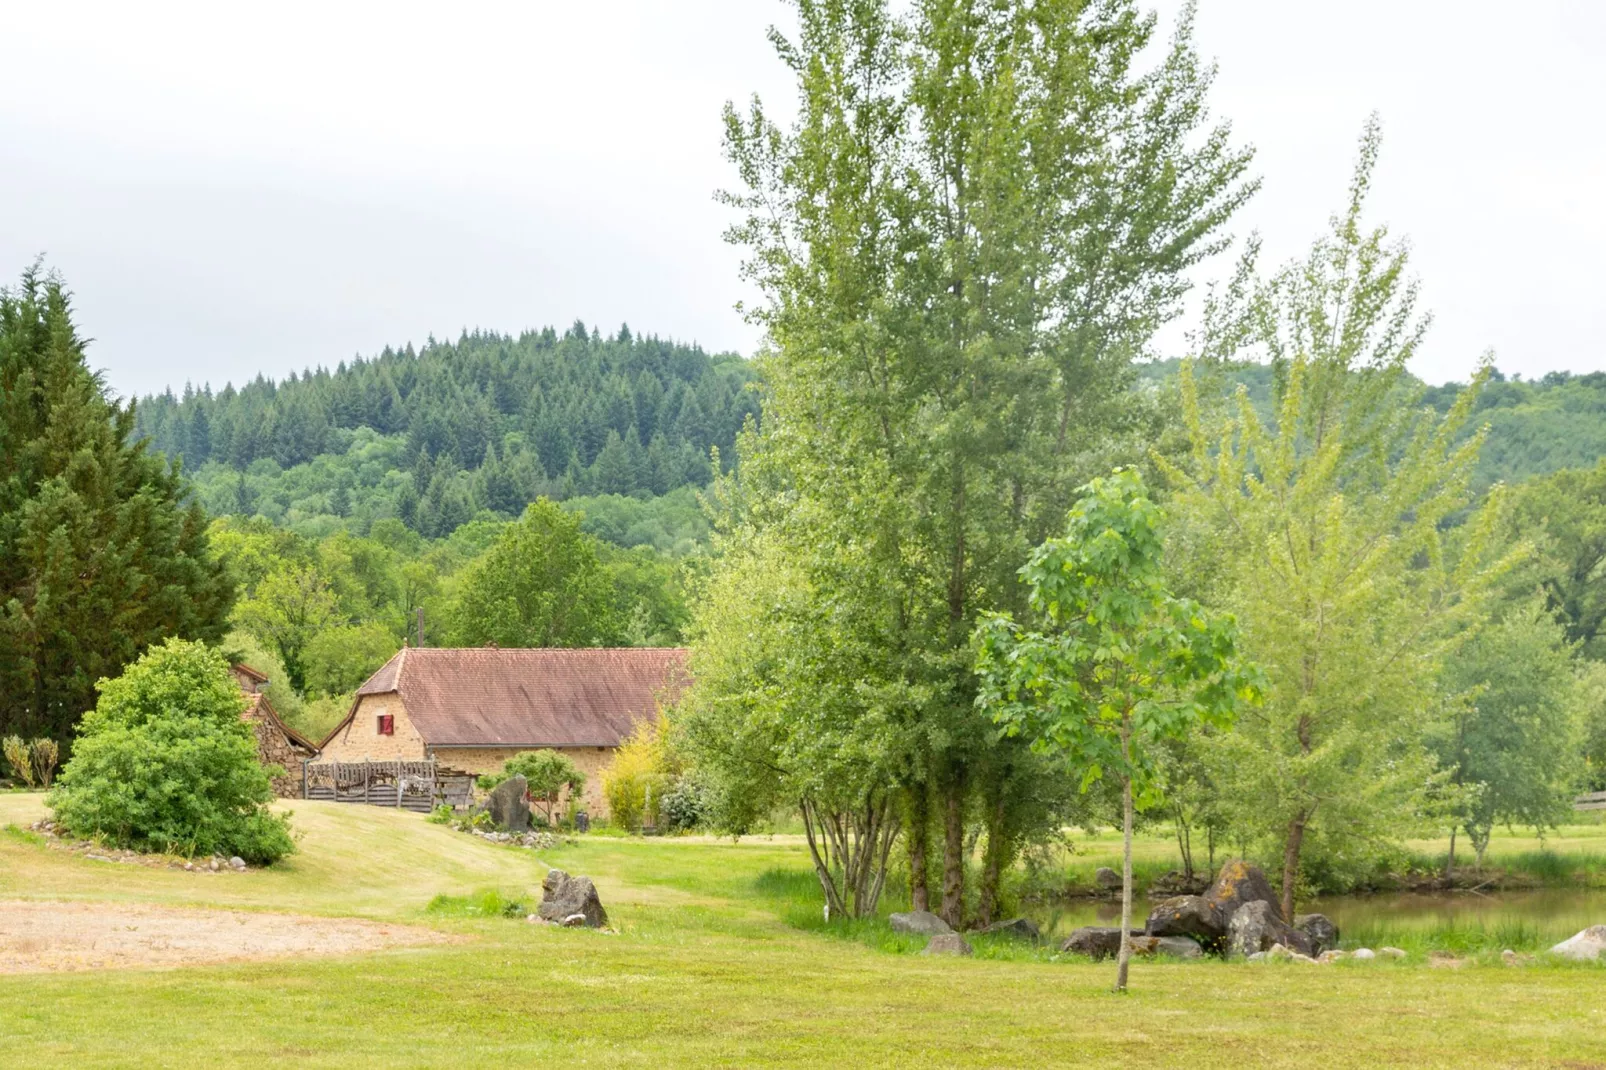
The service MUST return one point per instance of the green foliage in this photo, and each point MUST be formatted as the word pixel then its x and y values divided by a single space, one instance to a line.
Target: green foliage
pixel 98 556
pixel 1122 663
pixel 1512 739
pixel 642 772
pixel 1119 665
pixel 486 903
pixel 439 436
pixel 164 763
pixel 44 754
pixel 1566 515
pixel 540 584
pixel 547 774
pixel 1329 536
pixel 979 216
pixel 20 757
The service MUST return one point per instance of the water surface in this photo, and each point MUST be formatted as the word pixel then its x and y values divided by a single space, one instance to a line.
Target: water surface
pixel 1550 914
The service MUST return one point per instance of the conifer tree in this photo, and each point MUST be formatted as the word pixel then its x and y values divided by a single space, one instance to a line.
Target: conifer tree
pixel 98 557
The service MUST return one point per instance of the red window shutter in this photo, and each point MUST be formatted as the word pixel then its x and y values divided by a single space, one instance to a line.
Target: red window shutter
pixel 387 724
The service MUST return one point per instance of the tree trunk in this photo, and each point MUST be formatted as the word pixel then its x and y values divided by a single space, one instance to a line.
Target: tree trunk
pixel 997 856
pixel 919 841
pixel 953 855
pixel 1296 836
pixel 1449 861
pixel 1125 957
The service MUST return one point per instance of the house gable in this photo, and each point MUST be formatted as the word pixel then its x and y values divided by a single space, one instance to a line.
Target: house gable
pixel 358 737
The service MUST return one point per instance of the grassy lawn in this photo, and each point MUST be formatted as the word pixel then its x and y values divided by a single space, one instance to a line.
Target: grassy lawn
pixel 708 970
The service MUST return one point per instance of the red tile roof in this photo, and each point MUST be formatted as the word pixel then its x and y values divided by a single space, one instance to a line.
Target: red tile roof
pixel 488 697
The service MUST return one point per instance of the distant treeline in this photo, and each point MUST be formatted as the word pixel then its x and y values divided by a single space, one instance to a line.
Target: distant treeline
pixel 438 435
pixel 1536 427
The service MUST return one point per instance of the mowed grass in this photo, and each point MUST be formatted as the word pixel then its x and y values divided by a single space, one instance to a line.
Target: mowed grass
pixel 708 970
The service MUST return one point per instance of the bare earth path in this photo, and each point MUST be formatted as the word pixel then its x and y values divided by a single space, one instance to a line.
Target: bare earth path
pixel 41 937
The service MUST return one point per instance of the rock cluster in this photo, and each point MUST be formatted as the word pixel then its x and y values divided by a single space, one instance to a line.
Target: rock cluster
pixel 1240 915
pixel 58 838
pixel 535 841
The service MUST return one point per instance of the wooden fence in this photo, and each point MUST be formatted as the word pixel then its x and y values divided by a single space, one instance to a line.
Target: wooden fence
pixel 1595 800
pixel 417 786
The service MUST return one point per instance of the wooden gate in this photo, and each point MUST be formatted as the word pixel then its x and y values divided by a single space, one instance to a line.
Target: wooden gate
pixel 403 785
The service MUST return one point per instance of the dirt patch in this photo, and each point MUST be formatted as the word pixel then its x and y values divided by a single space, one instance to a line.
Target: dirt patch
pixel 39 937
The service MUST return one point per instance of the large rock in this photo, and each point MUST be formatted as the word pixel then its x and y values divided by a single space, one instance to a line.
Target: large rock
pixel 1256 927
pixel 508 806
pixel 564 896
pixel 1241 882
pixel 1107 879
pixel 1319 930
pixel 1020 928
pixel 1096 941
pixel 1587 945
pixel 949 943
pixel 920 922
pixel 1188 915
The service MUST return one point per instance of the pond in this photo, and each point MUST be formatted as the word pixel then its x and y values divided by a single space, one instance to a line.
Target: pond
pixel 1523 919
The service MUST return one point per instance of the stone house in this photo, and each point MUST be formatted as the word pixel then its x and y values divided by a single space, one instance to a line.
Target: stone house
pixel 473 709
pixel 277 743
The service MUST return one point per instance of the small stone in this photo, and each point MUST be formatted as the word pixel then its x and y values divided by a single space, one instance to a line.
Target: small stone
pixel 1331 956
pixel 574 921
pixel 1020 928
pixel 1259 956
pixel 922 922
pixel 1364 954
pixel 947 944
pixel 212 865
pixel 1391 952
pixel 189 867
pixel 237 862
pixel 1511 958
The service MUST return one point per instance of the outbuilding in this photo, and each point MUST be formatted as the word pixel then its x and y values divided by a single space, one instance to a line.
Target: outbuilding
pixel 277 743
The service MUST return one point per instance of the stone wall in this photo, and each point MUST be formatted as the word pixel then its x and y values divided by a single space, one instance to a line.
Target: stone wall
pixel 591 761
pixel 360 740
pixel 275 748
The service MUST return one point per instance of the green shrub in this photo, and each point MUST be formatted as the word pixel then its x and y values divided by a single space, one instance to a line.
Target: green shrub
pixel 547 773
pixel 164 763
pixel 441 815
pixel 684 805
pixel 17 755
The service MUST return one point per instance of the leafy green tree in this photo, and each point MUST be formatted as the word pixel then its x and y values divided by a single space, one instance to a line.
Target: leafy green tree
pixel 1118 664
pixel 1328 534
pixel 547 774
pixel 339 658
pixel 540 584
pixel 165 763
pixel 1589 698
pixel 1566 514
pixel 98 556
pixel 288 610
pixel 981 214
pixel 1512 740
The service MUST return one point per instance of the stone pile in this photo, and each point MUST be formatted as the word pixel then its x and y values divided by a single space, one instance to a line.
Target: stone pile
pixel 1238 915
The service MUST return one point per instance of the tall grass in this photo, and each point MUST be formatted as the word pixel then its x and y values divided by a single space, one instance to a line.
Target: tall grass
pixel 1461 936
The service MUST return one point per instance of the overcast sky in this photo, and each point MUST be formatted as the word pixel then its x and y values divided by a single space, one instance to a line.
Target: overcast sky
pixel 228 192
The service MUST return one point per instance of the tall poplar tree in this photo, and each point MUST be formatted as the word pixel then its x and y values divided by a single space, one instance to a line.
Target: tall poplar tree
pixel 978 219
pixel 99 557
pixel 1332 538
